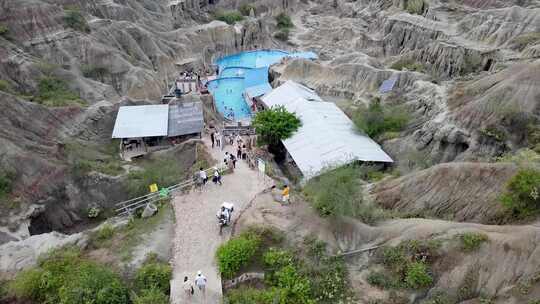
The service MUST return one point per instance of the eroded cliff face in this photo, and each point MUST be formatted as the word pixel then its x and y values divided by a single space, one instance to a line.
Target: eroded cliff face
pixel 474 61
pixel 130 50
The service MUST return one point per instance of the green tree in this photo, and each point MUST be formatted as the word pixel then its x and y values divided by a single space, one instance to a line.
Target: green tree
pixel 275 124
pixel 154 275
pixel 236 253
pixel 75 20
pixel 522 196
pixel 284 21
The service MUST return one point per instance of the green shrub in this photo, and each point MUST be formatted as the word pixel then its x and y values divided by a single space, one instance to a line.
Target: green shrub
pixel 494 132
pixel 230 17
pixel 246 8
pixel 409 64
pixel 472 62
pixel 54 92
pixel 236 253
pixel 522 196
pixel 282 35
pixel 329 282
pixel 377 119
pixel 471 241
pixel 417 275
pixel 394 257
pixel 93 284
pixel 151 296
pixel 294 287
pixel 416 6
pixel 274 260
pixel 6 183
pixel 154 275
pixel 336 192
pixel 64 277
pixel 275 124
pixel 5 86
pixel 74 19
pixel 251 296
pixel 102 235
pixel 381 280
pixel 28 285
pixel 4 30
pixel 94 72
pixel 284 21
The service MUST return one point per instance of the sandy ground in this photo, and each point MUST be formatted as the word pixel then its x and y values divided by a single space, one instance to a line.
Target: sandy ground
pixel 197 233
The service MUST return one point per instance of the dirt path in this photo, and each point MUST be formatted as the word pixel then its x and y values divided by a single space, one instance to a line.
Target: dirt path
pixel 196 231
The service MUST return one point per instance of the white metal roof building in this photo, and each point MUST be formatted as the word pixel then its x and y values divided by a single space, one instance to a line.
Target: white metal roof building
pixel 327 137
pixel 141 121
pixel 159 120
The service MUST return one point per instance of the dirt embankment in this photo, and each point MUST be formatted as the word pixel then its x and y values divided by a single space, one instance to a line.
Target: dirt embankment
pixel 464 192
pixel 504 268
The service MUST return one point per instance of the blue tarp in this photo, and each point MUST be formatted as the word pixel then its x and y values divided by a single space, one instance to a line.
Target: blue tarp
pixel 388 85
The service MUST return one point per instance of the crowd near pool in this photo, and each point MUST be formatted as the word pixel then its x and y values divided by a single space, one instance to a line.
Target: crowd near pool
pixel 241 72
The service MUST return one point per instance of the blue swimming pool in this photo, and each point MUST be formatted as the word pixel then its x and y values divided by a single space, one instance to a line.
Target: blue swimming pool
pixel 243 72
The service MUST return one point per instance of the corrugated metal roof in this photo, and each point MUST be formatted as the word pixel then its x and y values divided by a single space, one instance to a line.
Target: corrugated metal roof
pixel 327 136
pixel 287 93
pixel 186 118
pixel 141 121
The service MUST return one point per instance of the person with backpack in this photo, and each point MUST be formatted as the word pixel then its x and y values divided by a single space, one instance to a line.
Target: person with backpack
pixel 188 287
pixel 200 281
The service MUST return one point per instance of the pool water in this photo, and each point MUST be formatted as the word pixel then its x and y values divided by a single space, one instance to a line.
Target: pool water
pixel 229 98
pixel 228 89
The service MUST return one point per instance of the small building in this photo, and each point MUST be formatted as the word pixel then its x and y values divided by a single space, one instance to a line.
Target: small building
pixel 147 128
pixel 327 137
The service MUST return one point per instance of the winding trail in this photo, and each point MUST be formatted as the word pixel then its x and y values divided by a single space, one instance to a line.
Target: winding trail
pixel 196 231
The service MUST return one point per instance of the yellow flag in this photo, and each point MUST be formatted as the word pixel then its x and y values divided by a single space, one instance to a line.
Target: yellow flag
pixel 153 188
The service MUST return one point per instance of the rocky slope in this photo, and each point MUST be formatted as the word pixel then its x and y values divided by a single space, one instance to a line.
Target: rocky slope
pixel 473 93
pixel 128 50
pixel 478 72
pixel 464 192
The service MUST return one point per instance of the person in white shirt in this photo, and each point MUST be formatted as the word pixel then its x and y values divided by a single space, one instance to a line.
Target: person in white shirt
pixel 200 281
pixel 188 287
pixel 203 176
pixel 217 177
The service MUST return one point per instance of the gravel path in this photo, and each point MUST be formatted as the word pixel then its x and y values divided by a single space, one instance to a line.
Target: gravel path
pixel 196 230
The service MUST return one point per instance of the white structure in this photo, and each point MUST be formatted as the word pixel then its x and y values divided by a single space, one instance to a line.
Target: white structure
pixel 327 138
pixel 141 121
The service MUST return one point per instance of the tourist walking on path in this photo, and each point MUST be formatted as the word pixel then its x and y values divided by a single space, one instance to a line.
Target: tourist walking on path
pixel 239 152
pixel 203 176
pixel 285 194
pixel 233 160
pixel 188 287
pixel 218 139
pixel 217 177
pixel 212 138
pixel 200 281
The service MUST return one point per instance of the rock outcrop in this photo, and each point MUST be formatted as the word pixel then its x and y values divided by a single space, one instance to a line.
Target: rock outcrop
pixel 464 192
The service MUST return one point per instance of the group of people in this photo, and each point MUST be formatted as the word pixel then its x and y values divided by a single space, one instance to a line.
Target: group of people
pixel 200 282
pixel 203 177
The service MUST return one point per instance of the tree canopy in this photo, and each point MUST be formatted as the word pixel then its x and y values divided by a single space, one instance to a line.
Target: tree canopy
pixel 275 124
